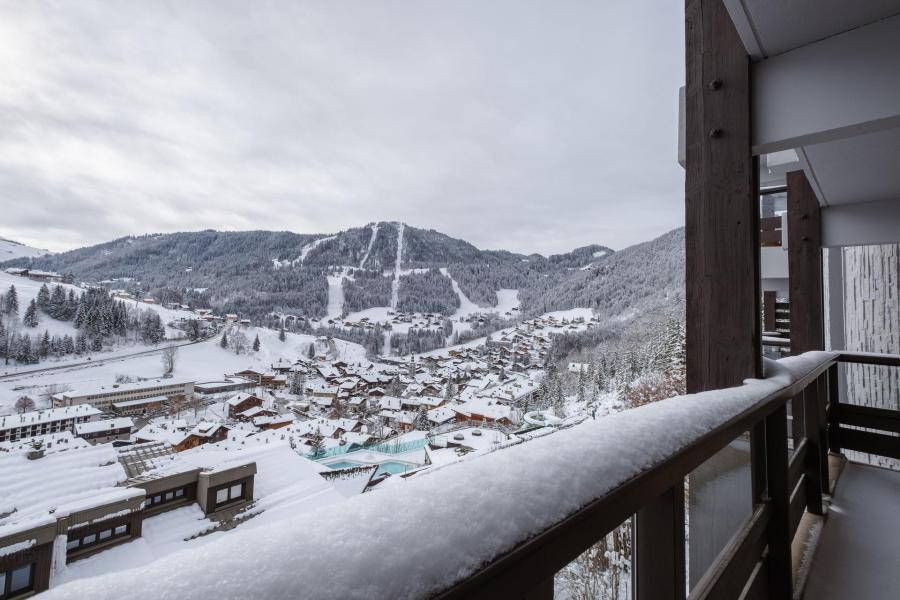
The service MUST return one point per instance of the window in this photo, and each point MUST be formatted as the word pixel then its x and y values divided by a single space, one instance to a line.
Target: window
pixel 229 494
pixel 16 581
pixel 164 497
pixel 90 539
pixel 121 529
pixel 72 544
pixel 105 534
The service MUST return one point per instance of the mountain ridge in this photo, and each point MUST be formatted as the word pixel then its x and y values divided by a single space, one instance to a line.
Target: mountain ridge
pixel 260 272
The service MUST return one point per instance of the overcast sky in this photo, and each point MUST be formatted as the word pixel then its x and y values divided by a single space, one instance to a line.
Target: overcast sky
pixel 527 126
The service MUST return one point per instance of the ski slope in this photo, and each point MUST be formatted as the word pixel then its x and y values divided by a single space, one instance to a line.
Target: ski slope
pixel 365 257
pixel 395 286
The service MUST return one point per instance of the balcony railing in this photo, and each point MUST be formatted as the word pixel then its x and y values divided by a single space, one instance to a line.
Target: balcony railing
pixel 503 525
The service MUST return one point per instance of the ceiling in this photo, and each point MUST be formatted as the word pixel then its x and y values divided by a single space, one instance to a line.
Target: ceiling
pixel 863 168
pixel 770 27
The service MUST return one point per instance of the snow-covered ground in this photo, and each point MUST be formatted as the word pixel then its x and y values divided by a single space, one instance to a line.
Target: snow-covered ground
pixel 10 250
pixel 204 361
pixel 336 294
pixel 27 290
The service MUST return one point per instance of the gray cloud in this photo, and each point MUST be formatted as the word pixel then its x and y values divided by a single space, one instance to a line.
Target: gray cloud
pixel 526 125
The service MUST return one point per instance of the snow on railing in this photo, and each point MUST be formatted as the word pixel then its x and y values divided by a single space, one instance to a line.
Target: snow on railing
pixel 422 535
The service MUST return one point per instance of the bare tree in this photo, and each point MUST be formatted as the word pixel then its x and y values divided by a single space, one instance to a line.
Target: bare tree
pixel 50 391
pixel 168 359
pixel 24 404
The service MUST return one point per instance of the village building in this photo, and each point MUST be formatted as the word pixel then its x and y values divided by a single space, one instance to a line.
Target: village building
pixel 241 403
pixel 43 422
pixel 104 396
pixel 106 430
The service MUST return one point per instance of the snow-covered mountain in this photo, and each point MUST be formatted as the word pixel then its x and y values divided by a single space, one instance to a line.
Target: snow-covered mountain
pixel 378 265
pixel 10 250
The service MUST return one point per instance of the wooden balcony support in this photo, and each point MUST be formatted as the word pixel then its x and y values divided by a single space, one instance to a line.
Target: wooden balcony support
pixel 805 265
pixel 659 558
pixel 721 205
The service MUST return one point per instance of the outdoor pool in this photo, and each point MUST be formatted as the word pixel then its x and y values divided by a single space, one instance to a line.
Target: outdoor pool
pixel 391 467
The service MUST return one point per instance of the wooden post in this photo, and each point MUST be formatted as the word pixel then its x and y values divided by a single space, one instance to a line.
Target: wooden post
pixel 834 410
pixel 812 470
pixel 769 299
pixel 542 592
pixel 659 560
pixel 721 205
pixel 778 531
pixel 722 245
pixel 805 265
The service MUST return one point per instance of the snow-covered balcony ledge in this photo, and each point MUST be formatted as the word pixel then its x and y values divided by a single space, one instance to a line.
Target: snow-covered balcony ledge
pixel 422 536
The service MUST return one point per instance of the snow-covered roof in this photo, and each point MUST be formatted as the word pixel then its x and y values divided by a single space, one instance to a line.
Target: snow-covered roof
pixel 441 414
pixel 104 425
pixel 32 489
pixel 242 397
pixel 119 388
pixel 49 415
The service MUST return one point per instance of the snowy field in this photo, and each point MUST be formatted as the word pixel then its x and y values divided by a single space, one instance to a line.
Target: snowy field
pixel 203 361
pixel 26 289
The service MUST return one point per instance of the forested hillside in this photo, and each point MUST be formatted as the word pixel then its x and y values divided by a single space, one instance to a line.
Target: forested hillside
pixel 256 273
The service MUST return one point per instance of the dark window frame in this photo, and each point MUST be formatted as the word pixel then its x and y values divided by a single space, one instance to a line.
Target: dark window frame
pixel 97 539
pixel 6 591
pixel 152 502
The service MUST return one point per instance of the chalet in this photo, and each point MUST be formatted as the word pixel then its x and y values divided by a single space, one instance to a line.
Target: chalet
pixel 241 403
pixel 441 415
pixel 203 433
pixel 483 410
pixel 256 411
pixel 45 276
pixel 272 421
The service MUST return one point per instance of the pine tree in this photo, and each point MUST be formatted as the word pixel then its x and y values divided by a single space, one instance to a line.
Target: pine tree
pixel 4 343
pixel 44 348
pixel 281 335
pixel 223 343
pixel 57 307
pixel 256 343
pixel 311 351
pixel 31 317
pixel 11 305
pixel 43 298
pixel 317 447
pixel 422 423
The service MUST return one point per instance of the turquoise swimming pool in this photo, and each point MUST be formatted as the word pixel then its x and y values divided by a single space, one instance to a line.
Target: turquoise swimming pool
pixel 391 467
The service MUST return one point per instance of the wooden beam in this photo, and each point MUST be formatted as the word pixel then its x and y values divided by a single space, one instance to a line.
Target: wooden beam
pixel 779 531
pixel 659 558
pixel 721 205
pixel 769 299
pixel 805 265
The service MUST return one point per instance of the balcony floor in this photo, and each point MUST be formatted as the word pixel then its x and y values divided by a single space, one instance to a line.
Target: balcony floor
pixel 857 554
